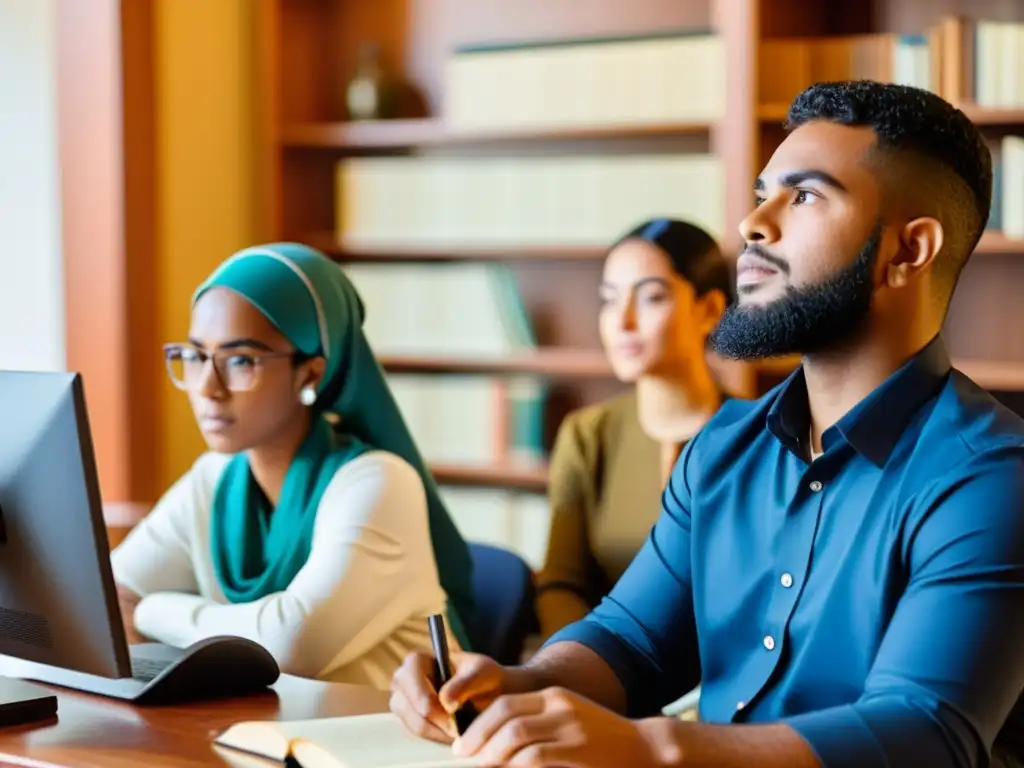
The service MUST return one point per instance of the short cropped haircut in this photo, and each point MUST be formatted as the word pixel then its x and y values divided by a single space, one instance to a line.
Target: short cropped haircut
pixel 934 160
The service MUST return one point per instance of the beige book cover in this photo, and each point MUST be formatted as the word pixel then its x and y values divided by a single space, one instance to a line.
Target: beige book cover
pixel 360 741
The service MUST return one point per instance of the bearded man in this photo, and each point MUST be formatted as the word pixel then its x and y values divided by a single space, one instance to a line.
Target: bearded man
pixel 840 563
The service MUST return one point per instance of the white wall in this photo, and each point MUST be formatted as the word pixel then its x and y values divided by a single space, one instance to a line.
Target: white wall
pixel 31 276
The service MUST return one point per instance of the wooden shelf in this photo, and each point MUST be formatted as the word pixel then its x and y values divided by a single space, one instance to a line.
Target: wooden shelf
pixel 525 478
pixel 995 375
pixel 778 366
pixel 776 113
pixel 772 113
pixel 326 242
pixel 376 134
pixel 431 132
pixel 990 116
pixel 551 361
pixel 997 242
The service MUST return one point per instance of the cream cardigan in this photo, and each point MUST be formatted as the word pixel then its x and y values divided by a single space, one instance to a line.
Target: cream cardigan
pixel 351 614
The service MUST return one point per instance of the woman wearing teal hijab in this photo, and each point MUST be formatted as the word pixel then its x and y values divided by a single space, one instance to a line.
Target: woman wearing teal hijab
pixel 312 526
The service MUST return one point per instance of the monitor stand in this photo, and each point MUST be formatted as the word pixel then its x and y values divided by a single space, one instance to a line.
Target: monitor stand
pixel 22 702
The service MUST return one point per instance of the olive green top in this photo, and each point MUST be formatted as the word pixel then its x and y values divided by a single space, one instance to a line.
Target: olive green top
pixel 604 489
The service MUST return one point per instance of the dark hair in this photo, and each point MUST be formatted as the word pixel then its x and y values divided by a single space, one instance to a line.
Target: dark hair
pixel 692 252
pixel 922 136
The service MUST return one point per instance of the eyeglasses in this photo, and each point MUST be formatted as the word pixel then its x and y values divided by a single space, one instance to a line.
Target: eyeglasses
pixel 237 371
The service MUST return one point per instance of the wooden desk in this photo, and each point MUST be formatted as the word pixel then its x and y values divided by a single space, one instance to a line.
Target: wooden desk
pixel 92 731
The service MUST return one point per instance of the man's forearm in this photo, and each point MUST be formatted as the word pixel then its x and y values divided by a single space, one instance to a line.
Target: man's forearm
pixel 679 744
pixel 574 667
pixel 701 745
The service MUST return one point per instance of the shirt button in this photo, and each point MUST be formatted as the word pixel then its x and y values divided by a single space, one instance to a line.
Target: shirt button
pixel 787 580
pixel 815 485
pixel 769 642
pixel 740 705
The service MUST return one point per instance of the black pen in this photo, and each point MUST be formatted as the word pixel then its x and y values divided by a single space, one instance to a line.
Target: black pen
pixel 466 714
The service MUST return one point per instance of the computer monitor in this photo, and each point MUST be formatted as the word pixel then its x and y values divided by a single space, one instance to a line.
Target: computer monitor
pixel 58 602
pixel 60 622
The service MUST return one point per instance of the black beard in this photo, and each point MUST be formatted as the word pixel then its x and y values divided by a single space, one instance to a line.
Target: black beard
pixel 808 320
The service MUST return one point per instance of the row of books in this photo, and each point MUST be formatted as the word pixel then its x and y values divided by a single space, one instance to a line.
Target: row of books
pixel 593 82
pixel 1007 214
pixel 963 60
pixel 472 310
pixel 787 66
pixel 457 309
pixel 636 81
pixel 485 201
pixel 475 310
pixel 990 57
pixel 516 520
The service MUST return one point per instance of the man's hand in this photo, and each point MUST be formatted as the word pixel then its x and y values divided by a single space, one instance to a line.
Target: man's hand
pixel 477 679
pixel 128 601
pixel 556 727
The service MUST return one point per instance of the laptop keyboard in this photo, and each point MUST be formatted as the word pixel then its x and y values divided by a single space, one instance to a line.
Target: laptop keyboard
pixel 147 669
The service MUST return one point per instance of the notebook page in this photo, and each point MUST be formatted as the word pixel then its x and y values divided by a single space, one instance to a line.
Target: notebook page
pixel 365 741
pixel 257 738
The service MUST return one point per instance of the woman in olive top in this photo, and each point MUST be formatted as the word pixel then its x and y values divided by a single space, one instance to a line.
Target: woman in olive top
pixel 664 287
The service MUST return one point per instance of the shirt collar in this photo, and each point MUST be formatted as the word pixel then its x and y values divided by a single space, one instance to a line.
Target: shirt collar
pixel 875 424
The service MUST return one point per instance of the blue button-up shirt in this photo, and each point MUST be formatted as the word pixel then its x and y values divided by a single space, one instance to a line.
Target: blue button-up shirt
pixel 873 598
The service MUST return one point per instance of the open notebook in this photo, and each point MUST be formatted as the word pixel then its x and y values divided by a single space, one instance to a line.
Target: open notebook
pixel 360 741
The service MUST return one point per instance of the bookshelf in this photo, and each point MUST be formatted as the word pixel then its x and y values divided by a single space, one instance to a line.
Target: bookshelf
pixel 984 304
pixel 306 56
pixel 307 52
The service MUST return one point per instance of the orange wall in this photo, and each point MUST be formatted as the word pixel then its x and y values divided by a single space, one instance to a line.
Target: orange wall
pixel 90 137
pixel 205 155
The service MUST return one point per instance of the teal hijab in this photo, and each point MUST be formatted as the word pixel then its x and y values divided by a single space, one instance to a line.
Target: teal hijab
pixel 314 305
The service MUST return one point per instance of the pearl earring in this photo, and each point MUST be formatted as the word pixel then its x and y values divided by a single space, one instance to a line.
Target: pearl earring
pixel 307 396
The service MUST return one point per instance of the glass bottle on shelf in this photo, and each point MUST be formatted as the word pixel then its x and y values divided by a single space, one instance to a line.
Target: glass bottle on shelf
pixel 370 95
